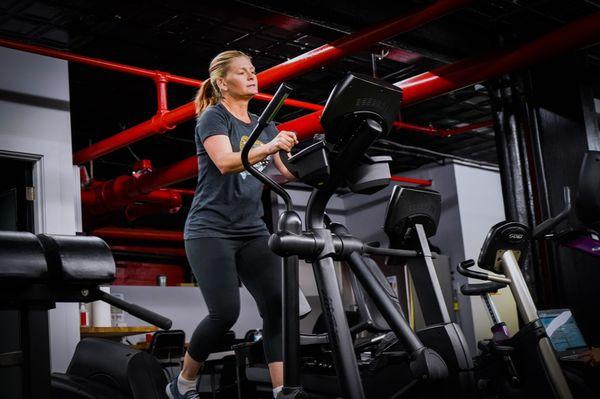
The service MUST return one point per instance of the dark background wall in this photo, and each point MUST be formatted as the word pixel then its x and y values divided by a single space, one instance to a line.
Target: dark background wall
pixel 557 95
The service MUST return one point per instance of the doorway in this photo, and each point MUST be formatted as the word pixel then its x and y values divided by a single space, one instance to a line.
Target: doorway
pixel 17 195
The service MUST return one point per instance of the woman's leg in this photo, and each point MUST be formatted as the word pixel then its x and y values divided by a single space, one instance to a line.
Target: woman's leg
pixel 191 368
pixel 261 272
pixel 213 264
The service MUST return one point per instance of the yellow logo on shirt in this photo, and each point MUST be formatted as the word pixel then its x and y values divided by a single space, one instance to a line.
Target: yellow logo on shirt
pixel 244 140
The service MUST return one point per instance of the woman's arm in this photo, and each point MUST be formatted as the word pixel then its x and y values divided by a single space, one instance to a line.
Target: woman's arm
pixel 220 152
pixel 282 169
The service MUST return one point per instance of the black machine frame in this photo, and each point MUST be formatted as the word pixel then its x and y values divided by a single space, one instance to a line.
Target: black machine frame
pixel 322 243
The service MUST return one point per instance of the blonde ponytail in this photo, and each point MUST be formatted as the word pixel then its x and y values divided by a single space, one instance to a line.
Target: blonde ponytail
pixel 206 96
pixel 209 93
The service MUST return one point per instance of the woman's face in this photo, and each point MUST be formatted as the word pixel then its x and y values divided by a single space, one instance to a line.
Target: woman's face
pixel 240 80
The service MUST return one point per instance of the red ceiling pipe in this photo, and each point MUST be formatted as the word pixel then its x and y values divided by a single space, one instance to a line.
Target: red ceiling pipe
pixel 289 69
pixel 305 126
pixel 433 131
pixel 164 251
pixel 183 191
pixel 412 180
pixel 122 233
pixel 415 128
pixel 290 102
pixel 97 198
pixel 355 42
pixel 163 197
pixel 154 125
pixel 123 190
pixel 463 129
pixel 163 121
pixel 95 204
pixel 157 202
pixel 579 33
pixel 573 35
pixel 161 80
pixel 136 210
pixel 131 70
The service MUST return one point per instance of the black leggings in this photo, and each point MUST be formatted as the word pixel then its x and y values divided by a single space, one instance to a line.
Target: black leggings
pixel 216 264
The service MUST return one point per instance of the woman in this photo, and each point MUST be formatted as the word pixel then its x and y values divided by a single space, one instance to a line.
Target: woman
pixel 225 237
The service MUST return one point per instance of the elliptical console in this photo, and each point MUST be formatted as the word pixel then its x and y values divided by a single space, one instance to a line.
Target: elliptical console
pixel 359 95
pixel 359 110
pixel 407 207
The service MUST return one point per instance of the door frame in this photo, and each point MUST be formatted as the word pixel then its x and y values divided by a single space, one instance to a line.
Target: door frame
pixel 37 172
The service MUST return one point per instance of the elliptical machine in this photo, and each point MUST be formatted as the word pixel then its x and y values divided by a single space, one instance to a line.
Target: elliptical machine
pixel 359 110
pixel 412 217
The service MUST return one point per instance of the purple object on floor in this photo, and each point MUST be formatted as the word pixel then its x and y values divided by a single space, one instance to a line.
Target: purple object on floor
pixel 585 243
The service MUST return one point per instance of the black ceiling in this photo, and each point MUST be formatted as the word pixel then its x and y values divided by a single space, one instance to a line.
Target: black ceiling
pixel 182 36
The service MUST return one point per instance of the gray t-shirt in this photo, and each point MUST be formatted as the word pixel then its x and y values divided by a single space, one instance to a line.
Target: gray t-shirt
pixel 226 205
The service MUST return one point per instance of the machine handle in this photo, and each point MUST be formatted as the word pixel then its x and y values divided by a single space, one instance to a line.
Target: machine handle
pixel 540 230
pixel 403 253
pixel 286 244
pixel 268 114
pixel 463 268
pixel 480 289
pixel 263 120
pixel 135 310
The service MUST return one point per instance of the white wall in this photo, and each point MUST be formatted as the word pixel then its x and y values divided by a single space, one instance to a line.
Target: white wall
pixel 35 123
pixel 185 307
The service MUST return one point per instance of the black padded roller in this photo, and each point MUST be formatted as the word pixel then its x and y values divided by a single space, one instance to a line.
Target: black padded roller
pixel 78 259
pixel 21 257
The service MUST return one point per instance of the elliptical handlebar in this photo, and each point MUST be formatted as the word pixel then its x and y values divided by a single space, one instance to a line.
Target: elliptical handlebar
pixel 309 245
pixel 371 249
pixel 540 230
pixel 268 114
pixel 403 253
pixel 464 266
pixel 464 269
pixel 264 119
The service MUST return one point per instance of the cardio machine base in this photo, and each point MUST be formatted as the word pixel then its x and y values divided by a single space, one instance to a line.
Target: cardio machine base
pixel 129 372
pixel 449 341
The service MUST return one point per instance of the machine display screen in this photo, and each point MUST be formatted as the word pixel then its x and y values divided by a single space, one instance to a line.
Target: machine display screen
pixel 562 330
